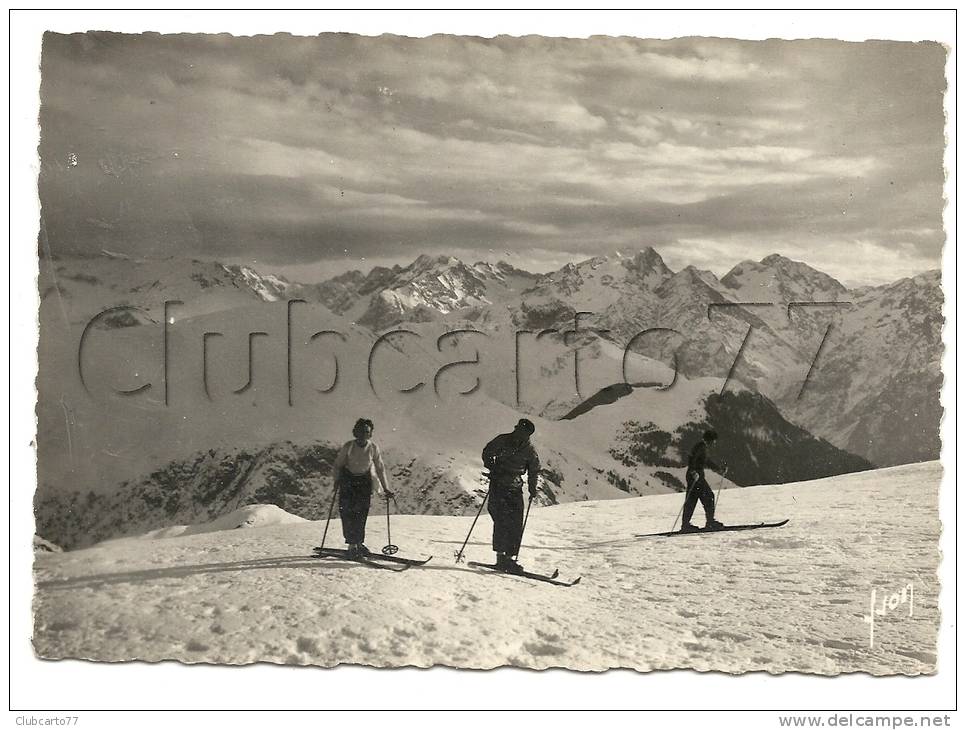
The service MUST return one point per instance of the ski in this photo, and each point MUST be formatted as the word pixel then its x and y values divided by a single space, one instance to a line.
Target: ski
pixel 364 559
pixel 726 528
pixel 552 578
pixel 376 556
pixel 397 559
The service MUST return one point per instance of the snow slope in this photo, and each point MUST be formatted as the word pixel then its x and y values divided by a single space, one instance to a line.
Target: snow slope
pixel 788 599
pixel 252 515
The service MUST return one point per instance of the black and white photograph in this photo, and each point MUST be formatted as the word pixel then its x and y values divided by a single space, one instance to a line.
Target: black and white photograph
pixel 595 353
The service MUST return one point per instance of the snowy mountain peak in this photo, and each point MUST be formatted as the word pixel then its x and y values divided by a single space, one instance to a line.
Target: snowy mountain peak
pixel 691 275
pixel 792 268
pixel 488 270
pixel 429 287
pixel 500 271
pixel 776 259
pixel 425 262
pixel 648 263
pixel 778 278
pixel 269 288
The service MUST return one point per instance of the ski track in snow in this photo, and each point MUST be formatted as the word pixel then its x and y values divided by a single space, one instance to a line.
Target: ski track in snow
pixel 778 600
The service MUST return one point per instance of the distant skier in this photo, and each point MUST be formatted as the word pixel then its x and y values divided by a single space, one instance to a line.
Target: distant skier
pixel 698 487
pixel 508 457
pixel 353 468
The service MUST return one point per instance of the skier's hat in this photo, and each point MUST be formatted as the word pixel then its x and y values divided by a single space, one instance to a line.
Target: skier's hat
pixel 525 424
pixel 710 435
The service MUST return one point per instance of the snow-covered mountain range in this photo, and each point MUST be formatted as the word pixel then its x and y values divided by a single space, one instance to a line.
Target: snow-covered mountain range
pixel 76 288
pixel 427 289
pixel 870 356
pixel 246 376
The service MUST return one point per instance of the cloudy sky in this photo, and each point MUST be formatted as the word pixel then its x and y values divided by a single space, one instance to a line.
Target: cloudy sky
pixel 313 155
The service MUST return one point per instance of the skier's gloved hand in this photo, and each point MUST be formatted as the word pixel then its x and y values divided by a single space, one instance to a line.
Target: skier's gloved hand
pixel 533 493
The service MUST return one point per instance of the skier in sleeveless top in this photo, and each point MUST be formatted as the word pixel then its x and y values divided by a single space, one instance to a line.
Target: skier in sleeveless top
pixel 353 468
pixel 508 457
pixel 697 485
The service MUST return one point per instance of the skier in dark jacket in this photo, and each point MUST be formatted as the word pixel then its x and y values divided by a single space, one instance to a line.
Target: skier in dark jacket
pixel 508 457
pixel 698 487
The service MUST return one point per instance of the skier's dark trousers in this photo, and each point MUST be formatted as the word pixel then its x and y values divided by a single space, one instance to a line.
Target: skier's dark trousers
pixel 508 457
pixel 506 509
pixel 353 468
pixel 355 497
pixel 698 487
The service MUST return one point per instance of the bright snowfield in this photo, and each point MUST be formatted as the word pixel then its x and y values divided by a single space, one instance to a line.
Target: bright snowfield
pixel 785 599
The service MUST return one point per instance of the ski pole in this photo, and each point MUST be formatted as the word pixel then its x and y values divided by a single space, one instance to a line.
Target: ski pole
pixel 523 529
pixel 335 491
pixel 459 555
pixel 720 482
pixel 680 512
pixel 390 549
